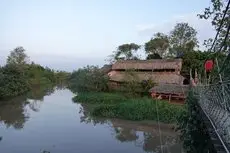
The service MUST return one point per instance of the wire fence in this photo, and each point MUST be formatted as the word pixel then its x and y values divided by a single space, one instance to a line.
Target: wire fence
pixel 215 101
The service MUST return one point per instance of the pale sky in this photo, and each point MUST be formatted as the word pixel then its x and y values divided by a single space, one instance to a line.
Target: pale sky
pixel 68 34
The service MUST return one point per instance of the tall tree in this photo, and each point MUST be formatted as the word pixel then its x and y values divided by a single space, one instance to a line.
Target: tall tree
pixel 182 39
pixel 216 13
pixel 157 45
pixel 126 51
pixel 17 57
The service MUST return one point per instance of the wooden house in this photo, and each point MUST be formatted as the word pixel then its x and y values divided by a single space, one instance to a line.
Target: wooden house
pixel 161 71
pixel 166 71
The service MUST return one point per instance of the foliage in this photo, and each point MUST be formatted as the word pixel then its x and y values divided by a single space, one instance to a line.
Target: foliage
pixel 12 78
pixel 89 78
pixel 153 56
pixel 18 76
pixel 139 109
pixel 135 85
pixel 157 45
pixel 62 77
pixel 99 98
pixel 182 39
pixel 215 12
pixel 39 75
pixel 194 60
pixel 193 131
pixel 12 82
pixel 126 51
pixel 17 57
pixel 116 105
pixel 146 85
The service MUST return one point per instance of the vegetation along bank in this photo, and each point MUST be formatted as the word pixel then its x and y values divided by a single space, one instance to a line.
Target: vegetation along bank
pixel 19 75
pixel 116 105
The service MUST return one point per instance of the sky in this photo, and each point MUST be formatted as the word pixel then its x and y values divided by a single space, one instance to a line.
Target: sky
pixel 69 34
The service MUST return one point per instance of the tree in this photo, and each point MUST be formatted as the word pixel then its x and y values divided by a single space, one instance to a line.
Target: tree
pixel 194 60
pixel 90 78
pixel 17 57
pixel 126 51
pixel 216 12
pixel 153 56
pixel 157 45
pixel 219 14
pixel 12 82
pixel 182 39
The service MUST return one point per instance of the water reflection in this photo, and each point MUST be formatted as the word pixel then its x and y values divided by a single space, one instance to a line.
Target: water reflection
pixel 14 113
pixel 38 92
pixel 147 136
pixel 57 127
pixel 85 116
pixel 36 96
pixel 144 135
pixel 125 134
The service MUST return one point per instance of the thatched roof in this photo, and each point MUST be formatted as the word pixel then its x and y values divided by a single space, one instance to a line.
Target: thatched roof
pixel 148 64
pixel 106 68
pixel 170 89
pixel 140 76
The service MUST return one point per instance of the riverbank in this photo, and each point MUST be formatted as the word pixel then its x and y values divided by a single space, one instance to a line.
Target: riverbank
pixel 117 105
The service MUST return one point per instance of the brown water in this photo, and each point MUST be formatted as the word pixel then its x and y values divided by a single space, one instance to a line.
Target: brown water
pixel 48 121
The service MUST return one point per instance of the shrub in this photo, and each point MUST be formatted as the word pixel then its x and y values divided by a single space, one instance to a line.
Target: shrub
pixel 90 78
pixel 116 105
pixel 140 109
pixel 99 98
pixel 12 82
pixel 135 85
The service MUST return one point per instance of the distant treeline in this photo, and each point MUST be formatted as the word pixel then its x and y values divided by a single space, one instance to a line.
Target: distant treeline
pixel 19 75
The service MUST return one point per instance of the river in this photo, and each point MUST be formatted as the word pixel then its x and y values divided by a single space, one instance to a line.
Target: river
pixel 47 121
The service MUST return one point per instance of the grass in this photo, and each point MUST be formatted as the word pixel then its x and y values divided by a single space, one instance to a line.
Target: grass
pixel 116 105
pixel 99 98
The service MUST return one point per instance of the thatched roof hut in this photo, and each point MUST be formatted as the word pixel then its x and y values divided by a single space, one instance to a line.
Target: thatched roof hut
pixel 170 89
pixel 155 64
pixel 170 78
pixel 159 70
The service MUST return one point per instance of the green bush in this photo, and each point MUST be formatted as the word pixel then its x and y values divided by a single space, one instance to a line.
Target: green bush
pixel 90 78
pixel 134 85
pixel 99 98
pixel 38 75
pixel 12 82
pixel 18 76
pixel 140 109
pixel 116 105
